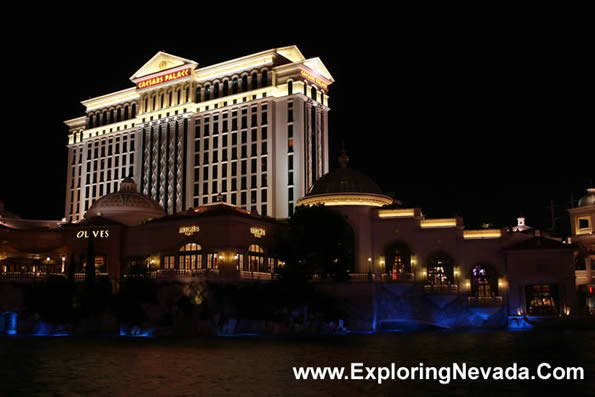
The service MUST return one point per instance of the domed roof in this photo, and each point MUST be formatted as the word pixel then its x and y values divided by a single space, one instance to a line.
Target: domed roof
pixel 126 206
pixel 345 187
pixel 588 199
pixel 344 180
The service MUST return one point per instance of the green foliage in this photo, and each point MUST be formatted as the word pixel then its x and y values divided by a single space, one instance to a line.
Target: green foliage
pixel 319 241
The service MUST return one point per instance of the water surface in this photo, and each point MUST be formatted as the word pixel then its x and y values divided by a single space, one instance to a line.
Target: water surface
pixel 260 366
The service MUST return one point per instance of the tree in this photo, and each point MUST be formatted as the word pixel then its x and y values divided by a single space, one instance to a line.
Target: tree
pixel 319 241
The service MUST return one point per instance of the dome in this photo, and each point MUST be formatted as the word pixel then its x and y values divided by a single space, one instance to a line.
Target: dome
pixel 345 180
pixel 126 206
pixel 346 186
pixel 588 199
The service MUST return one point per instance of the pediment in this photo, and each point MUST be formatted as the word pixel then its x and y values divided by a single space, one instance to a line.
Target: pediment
pixel 160 62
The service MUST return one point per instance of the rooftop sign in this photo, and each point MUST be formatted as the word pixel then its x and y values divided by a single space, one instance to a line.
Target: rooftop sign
pixel 313 79
pixel 162 79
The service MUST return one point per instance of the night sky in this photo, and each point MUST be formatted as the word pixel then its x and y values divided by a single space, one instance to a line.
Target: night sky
pixel 483 112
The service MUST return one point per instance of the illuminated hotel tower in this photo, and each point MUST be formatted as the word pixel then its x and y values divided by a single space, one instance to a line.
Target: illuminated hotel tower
pixel 253 130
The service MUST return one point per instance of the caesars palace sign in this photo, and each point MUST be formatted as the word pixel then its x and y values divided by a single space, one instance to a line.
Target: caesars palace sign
pixel 163 79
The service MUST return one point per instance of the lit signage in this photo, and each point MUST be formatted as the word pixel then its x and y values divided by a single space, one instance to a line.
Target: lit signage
pixel 188 230
pixel 258 232
pixel 313 79
pixel 94 233
pixel 163 79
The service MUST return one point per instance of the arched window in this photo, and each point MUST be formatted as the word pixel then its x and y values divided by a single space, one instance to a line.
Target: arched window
pixel 483 284
pixel 245 83
pixel 254 81
pixel 398 261
pixel 119 115
pixel 91 121
pixel 234 85
pixel 187 97
pixel 264 79
pixel 256 258
pixel 104 118
pixel 126 112
pixel 216 91
pixel 440 269
pixel 198 94
pixel 207 92
pixel 178 94
pixel 289 87
pixel 314 93
pixel 133 114
pixel 190 257
pixel 161 102
pixel 111 116
pixel 225 88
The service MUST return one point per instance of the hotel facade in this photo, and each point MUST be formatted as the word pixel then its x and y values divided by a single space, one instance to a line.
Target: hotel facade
pixel 190 174
pixel 253 130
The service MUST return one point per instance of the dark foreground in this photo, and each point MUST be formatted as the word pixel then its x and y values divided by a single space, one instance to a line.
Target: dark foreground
pixel 256 366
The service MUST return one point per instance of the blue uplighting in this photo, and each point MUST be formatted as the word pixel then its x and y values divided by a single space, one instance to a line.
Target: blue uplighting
pixel 136 332
pixel 8 323
pixel 519 323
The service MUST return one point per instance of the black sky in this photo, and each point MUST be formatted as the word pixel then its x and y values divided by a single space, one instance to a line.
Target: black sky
pixel 484 112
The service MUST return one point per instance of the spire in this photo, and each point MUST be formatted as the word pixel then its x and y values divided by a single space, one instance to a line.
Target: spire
pixel 343 158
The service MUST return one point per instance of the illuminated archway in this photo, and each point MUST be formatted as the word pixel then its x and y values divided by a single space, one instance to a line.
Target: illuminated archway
pixel 190 257
pixel 440 269
pixel 398 259
pixel 484 281
pixel 256 258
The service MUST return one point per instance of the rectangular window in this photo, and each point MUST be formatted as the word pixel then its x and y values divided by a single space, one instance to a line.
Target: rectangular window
pixel 583 223
pixel 290 112
pixel 253 197
pixel 243 198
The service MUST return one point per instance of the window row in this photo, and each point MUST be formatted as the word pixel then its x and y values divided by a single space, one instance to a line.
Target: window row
pixel 235 85
pixel 110 116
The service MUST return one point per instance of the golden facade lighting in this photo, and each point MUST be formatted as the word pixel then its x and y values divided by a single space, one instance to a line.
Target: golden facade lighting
pixel 481 234
pixel 438 223
pixel 368 199
pixel 399 213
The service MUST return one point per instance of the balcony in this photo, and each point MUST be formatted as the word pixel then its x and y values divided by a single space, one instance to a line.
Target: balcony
pixel 441 289
pixel 398 277
pixel 256 275
pixel 485 301
pixel 182 273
